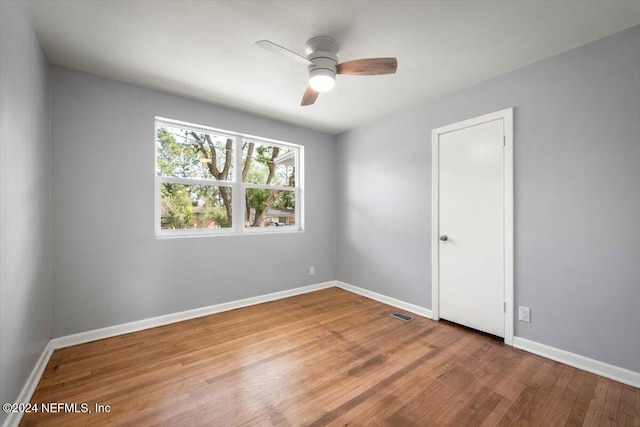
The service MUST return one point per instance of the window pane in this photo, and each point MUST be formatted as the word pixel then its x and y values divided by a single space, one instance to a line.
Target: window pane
pixel 185 206
pixel 185 153
pixel 268 164
pixel 269 208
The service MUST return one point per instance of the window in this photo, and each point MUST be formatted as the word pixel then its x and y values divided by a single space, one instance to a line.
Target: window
pixel 211 182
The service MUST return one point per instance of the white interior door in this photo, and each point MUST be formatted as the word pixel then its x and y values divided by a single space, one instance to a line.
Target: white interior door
pixel 471 226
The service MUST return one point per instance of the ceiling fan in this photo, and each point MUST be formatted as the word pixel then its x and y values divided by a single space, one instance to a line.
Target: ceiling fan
pixel 322 63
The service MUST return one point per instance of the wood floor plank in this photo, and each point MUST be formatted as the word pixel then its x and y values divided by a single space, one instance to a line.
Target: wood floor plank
pixel 629 409
pixel 325 358
pixel 403 390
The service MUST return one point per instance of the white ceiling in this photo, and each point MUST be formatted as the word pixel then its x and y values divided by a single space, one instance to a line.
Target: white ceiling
pixel 205 49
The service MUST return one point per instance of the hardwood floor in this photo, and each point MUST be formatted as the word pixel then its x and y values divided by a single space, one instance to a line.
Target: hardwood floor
pixel 325 358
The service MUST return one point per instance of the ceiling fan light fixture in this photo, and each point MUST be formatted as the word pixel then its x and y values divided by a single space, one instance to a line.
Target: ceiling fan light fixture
pixel 322 80
pixel 322 64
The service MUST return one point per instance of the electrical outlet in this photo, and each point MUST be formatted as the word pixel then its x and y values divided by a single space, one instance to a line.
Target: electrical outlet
pixel 312 270
pixel 524 314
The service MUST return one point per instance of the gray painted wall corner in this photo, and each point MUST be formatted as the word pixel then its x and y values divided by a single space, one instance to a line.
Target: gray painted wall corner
pixel 25 267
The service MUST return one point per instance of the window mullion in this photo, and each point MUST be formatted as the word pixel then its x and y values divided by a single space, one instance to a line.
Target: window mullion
pixel 269 187
pixel 157 207
pixel 298 198
pixel 238 193
pixel 194 181
pixel 299 188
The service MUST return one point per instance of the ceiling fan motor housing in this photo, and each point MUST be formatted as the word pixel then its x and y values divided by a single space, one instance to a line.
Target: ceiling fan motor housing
pixel 321 51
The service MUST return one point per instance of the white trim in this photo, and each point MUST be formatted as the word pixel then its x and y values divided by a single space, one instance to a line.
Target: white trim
pixel 140 325
pixel 13 418
pixel 300 168
pixel 222 132
pixel 270 230
pixel 507 116
pixel 435 227
pixel 615 373
pixel 193 232
pixel 269 187
pixel 195 127
pixel 412 308
pixel 508 226
pixel 195 181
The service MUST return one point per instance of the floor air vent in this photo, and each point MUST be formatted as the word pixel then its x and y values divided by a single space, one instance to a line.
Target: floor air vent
pixel 402 317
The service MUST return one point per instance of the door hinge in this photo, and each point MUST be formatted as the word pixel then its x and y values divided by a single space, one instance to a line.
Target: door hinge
pixel 504 306
pixel 504 140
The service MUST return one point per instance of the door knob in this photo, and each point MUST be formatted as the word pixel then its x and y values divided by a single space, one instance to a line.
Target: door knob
pixel 444 238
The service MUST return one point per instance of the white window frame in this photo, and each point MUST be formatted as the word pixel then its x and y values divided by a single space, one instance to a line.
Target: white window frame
pixel 238 187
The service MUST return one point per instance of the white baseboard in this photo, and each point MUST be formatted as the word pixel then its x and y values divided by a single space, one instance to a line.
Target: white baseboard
pixel 615 373
pixel 154 322
pixel 412 308
pixel 13 419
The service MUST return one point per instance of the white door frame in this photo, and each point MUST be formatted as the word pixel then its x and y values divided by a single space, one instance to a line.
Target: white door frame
pixel 507 117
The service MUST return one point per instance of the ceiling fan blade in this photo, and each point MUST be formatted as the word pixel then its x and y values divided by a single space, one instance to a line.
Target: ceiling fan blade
pixel 309 97
pixel 275 48
pixel 368 67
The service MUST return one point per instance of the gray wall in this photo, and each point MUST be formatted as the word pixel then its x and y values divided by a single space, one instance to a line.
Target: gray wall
pixel 25 318
pixel 577 197
pixel 108 267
